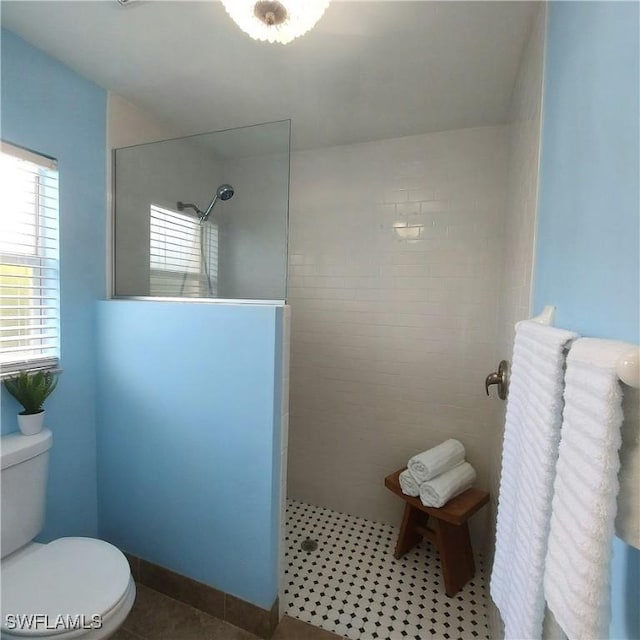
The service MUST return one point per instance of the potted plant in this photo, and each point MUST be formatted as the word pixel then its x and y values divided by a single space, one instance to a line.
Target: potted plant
pixel 31 390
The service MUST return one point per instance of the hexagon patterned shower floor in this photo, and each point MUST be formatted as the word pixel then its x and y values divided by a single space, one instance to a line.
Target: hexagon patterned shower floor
pixel 353 586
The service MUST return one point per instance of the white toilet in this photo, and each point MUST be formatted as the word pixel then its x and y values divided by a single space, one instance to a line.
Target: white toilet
pixel 78 588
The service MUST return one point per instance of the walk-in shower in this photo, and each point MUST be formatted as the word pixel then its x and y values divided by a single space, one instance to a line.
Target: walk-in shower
pixel 162 248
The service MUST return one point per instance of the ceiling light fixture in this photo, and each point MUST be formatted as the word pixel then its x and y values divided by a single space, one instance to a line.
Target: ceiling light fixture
pixel 275 20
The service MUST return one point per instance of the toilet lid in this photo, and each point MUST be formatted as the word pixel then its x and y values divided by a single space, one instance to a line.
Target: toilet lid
pixel 76 578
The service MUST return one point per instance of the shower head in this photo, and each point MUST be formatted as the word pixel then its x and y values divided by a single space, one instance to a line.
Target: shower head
pixel 223 192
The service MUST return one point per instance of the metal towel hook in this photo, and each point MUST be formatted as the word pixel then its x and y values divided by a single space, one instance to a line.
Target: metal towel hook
pixel 499 378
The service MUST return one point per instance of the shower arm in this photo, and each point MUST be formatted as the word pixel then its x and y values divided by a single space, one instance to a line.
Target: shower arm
pixel 223 192
pixel 202 215
pixel 188 205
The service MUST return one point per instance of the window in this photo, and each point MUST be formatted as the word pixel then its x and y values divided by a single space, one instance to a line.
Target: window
pixel 29 261
pixel 183 255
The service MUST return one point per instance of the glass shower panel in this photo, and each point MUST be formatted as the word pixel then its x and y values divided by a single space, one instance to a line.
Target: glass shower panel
pixel 204 216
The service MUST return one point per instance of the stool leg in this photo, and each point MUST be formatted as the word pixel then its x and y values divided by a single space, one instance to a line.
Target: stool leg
pixel 408 536
pixel 456 555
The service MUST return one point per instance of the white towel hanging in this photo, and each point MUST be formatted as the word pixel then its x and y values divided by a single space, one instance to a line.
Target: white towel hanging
pixel 530 448
pixel 577 573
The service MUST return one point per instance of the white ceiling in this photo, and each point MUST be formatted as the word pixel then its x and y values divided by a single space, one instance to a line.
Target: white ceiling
pixel 369 70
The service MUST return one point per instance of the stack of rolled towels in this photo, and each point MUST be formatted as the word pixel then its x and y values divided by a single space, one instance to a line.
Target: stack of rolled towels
pixel 438 474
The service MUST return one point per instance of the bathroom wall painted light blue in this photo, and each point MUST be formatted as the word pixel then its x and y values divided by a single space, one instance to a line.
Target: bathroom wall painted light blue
pixel 50 109
pixel 587 252
pixel 189 439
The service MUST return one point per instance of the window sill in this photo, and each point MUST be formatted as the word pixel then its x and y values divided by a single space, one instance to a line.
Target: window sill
pixel 54 368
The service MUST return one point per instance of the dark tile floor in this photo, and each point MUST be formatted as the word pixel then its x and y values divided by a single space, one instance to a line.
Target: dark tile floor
pixel 157 617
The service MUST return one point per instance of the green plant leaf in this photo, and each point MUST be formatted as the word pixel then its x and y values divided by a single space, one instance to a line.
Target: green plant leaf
pixel 31 389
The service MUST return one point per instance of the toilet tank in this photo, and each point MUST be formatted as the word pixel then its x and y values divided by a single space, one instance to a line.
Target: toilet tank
pixel 24 461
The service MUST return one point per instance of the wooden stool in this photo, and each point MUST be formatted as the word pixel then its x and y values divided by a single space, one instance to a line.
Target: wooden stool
pixel 449 531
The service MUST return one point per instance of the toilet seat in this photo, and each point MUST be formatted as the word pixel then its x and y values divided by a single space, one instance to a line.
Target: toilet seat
pixel 69 577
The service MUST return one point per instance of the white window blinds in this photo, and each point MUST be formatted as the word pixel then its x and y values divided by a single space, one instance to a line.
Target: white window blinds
pixel 183 255
pixel 29 261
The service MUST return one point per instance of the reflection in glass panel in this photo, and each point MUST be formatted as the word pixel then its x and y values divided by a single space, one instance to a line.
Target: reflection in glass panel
pixel 204 216
pixel 183 258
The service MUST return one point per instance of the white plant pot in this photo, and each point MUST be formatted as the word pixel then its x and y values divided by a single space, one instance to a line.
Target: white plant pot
pixel 31 424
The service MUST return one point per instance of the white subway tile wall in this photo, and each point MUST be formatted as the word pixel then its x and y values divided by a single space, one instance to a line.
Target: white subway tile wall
pixel 395 252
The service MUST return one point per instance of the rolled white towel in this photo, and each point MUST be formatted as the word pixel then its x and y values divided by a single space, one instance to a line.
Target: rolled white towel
pixel 433 462
pixel 439 490
pixel 409 485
